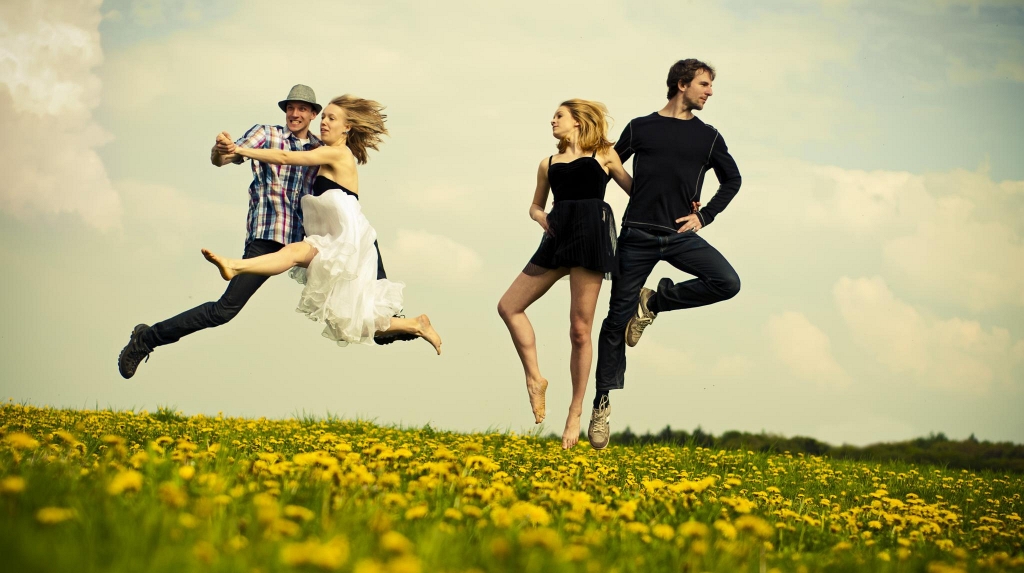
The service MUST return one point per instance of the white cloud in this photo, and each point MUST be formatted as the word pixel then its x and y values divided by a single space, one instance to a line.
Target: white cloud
pixel 947 353
pixel 949 237
pixel 805 349
pixel 48 51
pixel 435 257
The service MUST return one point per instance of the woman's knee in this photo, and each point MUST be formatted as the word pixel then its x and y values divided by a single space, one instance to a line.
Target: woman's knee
pixel 506 310
pixel 580 333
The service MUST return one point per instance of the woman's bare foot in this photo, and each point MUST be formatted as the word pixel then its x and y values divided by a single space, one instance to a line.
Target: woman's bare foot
pixel 225 271
pixel 537 389
pixel 571 435
pixel 428 333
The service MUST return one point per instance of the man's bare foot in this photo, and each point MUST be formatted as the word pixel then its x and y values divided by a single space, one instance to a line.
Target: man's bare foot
pixel 428 333
pixel 571 435
pixel 537 389
pixel 225 271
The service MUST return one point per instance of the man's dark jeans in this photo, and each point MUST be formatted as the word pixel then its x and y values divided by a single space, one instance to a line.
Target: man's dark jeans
pixel 239 290
pixel 638 252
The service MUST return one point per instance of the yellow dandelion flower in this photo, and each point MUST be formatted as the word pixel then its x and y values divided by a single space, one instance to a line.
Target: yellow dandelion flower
pixel 727 529
pixel 12 484
pixel 330 555
pixel 417 511
pixel 298 512
pixel 755 526
pixel 186 472
pixel 627 509
pixel 129 480
pixel 172 495
pixel 453 514
pixel 693 529
pixel 188 521
pixel 53 515
pixel 662 531
pixel 395 542
pixel 637 527
pixel 394 499
pixel 368 566
pixel 472 511
pixel 525 511
pixel 576 553
pixel 21 441
pixel 405 564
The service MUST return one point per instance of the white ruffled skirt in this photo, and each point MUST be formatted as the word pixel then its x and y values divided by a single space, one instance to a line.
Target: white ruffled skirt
pixel 342 290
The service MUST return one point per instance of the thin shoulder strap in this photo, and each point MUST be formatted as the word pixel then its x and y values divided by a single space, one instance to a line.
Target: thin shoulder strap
pixel 594 154
pixel 549 161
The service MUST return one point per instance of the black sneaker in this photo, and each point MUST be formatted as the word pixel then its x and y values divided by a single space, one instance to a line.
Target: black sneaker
pixel 134 352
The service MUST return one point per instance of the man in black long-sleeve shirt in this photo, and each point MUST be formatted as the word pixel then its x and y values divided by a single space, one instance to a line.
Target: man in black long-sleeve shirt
pixel 672 150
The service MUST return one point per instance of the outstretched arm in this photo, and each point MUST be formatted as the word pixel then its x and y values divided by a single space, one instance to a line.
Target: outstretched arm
pixel 617 172
pixel 320 156
pixel 540 196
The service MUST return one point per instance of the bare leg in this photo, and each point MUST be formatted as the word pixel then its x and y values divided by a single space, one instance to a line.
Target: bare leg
pixel 293 254
pixel 512 309
pixel 584 286
pixel 420 326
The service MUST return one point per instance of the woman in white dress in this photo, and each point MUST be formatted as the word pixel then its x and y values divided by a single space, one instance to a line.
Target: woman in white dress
pixel 338 260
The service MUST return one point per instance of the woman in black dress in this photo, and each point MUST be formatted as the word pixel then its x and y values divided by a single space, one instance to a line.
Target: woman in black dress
pixel 578 240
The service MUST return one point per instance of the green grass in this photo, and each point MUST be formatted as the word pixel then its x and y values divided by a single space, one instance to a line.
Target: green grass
pixel 167 492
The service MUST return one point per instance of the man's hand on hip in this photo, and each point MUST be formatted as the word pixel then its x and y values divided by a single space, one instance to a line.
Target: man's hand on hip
pixel 690 222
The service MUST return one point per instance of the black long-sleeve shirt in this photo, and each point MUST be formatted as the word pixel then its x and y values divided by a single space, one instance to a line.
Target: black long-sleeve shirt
pixel 670 158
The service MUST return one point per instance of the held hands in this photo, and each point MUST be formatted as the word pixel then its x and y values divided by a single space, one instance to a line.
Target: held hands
pixel 691 222
pixel 225 145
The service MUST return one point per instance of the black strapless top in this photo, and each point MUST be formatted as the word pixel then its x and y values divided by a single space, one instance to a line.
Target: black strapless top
pixel 322 184
pixel 581 178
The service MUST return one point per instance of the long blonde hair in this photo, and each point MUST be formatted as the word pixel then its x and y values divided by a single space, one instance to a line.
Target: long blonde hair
pixel 593 119
pixel 366 124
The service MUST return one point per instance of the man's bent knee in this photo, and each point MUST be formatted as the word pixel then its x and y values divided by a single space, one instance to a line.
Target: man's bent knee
pixel 728 287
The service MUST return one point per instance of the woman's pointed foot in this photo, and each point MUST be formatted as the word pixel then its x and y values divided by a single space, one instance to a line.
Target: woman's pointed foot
pixel 571 435
pixel 537 390
pixel 428 333
pixel 226 272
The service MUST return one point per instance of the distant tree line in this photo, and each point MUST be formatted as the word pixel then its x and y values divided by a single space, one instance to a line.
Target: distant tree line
pixel 936 449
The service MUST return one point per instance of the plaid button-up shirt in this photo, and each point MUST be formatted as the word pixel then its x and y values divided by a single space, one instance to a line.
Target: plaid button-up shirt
pixel 274 212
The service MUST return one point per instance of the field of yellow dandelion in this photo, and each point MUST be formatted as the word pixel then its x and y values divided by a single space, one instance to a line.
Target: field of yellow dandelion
pixel 123 491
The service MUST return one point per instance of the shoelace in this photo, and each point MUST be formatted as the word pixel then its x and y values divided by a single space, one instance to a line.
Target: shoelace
pixel 137 351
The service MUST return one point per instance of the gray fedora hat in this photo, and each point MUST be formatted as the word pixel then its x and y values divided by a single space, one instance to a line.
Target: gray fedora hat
pixel 300 93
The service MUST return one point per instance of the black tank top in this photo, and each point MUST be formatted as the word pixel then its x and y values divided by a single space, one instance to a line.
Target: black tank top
pixel 322 184
pixel 581 178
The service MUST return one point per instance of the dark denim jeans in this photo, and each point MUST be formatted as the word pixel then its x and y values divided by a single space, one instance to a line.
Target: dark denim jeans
pixel 638 252
pixel 209 314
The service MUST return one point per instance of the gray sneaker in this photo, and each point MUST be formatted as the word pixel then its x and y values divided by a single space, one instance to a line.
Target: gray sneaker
pixel 598 432
pixel 641 319
pixel 133 353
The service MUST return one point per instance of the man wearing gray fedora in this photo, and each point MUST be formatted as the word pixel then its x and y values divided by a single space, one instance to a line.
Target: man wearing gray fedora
pixel 274 220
